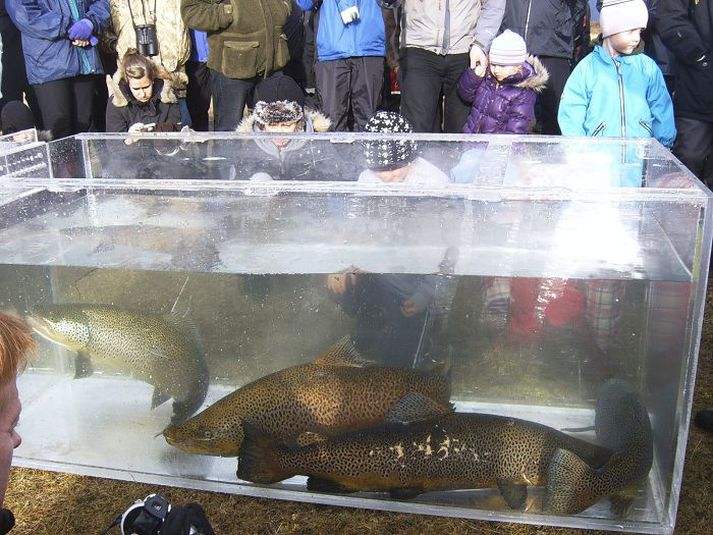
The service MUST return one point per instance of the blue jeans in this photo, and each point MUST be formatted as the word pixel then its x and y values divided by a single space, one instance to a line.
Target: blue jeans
pixel 229 98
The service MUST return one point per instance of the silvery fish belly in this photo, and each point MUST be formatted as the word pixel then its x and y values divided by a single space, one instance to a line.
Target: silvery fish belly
pixel 336 392
pixel 455 451
pixel 161 350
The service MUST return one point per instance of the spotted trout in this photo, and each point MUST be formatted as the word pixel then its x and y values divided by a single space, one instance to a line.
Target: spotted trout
pixel 161 350
pixel 408 455
pixel 336 392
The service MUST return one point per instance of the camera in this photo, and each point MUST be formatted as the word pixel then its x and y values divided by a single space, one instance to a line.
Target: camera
pixel 147 40
pixel 146 516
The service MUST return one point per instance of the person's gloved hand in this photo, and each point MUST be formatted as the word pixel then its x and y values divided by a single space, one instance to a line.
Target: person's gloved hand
pixel 80 30
pixel 180 520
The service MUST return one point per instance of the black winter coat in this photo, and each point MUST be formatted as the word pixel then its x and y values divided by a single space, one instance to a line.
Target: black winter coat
pixel 686 27
pixel 123 109
pixel 549 27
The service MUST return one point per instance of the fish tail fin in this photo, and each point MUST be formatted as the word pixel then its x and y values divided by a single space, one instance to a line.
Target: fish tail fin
pixel 259 458
pixel 570 482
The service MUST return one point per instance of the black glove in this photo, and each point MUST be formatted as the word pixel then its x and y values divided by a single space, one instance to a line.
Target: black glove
pixel 180 520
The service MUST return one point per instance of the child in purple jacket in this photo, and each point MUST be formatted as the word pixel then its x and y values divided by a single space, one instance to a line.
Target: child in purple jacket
pixel 503 94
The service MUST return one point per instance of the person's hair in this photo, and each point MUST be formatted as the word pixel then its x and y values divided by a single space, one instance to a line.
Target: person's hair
pixel 16 343
pixel 134 65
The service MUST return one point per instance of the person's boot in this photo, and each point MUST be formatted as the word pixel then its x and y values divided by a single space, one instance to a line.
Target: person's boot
pixel 704 419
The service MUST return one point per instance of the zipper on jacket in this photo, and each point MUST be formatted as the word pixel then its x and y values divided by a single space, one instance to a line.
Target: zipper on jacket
pixel 646 127
pixel 527 18
pixel 622 106
pixel 599 128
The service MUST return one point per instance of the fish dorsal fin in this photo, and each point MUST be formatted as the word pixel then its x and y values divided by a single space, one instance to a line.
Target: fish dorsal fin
pixel 307 438
pixel 343 353
pixel 159 397
pixel 414 407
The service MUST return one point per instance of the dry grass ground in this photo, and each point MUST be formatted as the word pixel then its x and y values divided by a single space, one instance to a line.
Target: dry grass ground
pixel 51 503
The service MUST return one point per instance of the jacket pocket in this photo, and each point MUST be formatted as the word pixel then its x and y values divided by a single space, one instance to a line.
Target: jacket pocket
pixel 599 129
pixel 646 127
pixel 282 52
pixel 240 58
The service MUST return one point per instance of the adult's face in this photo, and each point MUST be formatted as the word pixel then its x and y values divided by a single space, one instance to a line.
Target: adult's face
pixel 141 88
pixel 9 438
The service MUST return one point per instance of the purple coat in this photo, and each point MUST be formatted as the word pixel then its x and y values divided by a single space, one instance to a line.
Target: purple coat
pixel 502 108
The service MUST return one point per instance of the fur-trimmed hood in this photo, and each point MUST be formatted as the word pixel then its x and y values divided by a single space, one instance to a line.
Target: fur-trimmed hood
pixel 314 122
pixel 537 77
pixel 121 95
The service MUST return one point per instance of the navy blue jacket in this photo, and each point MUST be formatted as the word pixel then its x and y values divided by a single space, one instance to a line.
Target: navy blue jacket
pixel 49 53
pixel 336 40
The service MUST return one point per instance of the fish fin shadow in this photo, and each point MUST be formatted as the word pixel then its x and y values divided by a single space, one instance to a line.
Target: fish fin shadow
pixel 514 494
pixel 83 366
pixel 406 493
pixel 320 484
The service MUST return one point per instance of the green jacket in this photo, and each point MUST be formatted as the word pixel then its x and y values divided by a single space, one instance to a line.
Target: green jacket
pixel 244 36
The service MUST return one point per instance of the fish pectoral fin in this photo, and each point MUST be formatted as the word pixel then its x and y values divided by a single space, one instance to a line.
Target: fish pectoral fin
pixel 620 502
pixel 82 366
pixel 415 407
pixel 307 438
pixel 343 353
pixel 514 494
pixel 159 397
pixel 321 484
pixel 405 493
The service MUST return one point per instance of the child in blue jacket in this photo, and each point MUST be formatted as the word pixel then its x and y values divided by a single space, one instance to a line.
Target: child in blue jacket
pixel 614 93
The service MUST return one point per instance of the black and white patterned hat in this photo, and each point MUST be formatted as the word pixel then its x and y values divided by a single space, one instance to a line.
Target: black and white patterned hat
pixel 388 154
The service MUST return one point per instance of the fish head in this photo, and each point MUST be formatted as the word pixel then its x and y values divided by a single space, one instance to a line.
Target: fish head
pixel 64 325
pixel 206 436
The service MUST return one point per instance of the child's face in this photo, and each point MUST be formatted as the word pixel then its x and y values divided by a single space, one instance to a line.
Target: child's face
pixel 503 71
pixel 394 175
pixel 624 43
pixel 288 128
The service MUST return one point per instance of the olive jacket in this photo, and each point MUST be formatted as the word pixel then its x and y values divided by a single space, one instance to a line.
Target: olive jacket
pixel 244 36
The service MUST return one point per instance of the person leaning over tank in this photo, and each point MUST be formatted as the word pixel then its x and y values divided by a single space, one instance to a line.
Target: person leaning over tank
pixel 280 108
pixel 15 344
pixel 246 43
pixel 503 94
pixel 396 160
pixel 613 91
pixel 142 100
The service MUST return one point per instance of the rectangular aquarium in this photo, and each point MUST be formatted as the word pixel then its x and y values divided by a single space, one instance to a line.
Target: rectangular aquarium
pixel 490 327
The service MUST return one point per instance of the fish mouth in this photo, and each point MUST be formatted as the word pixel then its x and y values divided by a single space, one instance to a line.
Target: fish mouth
pixel 197 446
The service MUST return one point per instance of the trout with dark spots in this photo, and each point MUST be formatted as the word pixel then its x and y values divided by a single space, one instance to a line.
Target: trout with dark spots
pixel 161 350
pixel 407 456
pixel 336 392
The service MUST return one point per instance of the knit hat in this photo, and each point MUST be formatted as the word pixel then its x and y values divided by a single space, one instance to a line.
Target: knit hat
pixel 508 48
pixel 388 154
pixel 618 16
pixel 16 116
pixel 279 99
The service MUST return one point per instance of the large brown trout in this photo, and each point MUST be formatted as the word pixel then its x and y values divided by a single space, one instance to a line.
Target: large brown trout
pixel 161 350
pixel 449 451
pixel 336 392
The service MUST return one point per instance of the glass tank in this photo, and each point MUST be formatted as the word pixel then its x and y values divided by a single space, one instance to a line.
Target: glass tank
pixel 491 327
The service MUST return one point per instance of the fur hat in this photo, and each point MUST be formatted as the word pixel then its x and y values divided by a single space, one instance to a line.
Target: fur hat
pixel 508 48
pixel 281 111
pixel 618 16
pixel 388 154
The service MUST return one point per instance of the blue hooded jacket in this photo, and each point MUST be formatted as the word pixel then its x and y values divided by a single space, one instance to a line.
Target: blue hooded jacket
pixel 336 40
pixel 49 53
pixel 622 97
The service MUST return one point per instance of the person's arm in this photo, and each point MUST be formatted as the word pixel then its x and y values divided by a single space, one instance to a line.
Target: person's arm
pixel 174 114
pixel 38 21
pixel 522 112
pixel 664 125
pixel 99 15
pixel 468 85
pixel 489 21
pixel 115 121
pixel 207 15
pixel 573 104
pixel 305 5
pixel 679 33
